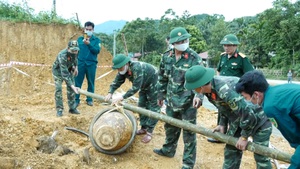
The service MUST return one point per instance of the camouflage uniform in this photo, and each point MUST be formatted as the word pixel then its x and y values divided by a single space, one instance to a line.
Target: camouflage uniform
pixel 62 70
pixel 244 120
pixel 144 80
pixel 179 102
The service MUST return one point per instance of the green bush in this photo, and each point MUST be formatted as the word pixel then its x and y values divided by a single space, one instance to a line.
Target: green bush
pixel 153 59
pixel 18 13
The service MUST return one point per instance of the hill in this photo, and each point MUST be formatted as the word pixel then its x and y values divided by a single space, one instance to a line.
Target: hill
pixel 108 27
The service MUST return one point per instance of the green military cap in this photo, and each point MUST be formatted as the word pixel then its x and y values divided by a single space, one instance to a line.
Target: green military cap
pixel 178 34
pixel 198 76
pixel 230 39
pixel 73 45
pixel 119 61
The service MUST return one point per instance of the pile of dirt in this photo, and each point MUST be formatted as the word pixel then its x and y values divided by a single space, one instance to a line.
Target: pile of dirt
pixel 27 111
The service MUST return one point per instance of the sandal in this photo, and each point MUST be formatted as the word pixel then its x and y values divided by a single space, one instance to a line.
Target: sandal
pixel 141 131
pixel 147 137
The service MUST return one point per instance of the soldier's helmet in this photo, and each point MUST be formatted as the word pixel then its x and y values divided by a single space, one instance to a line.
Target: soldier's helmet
pixel 198 76
pixel 119 61
pixel 73 45
pixel 230 39
pixel 178 34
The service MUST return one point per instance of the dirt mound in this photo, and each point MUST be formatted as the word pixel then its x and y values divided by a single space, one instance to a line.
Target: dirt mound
pixel 27 111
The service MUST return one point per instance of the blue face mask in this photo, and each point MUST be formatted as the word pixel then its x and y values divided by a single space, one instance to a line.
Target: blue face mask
pixel 249 102
pixel 89 33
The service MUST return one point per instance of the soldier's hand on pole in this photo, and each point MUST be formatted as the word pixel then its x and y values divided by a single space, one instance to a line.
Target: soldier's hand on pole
pixel 242 143
pixel 107 97
pixel 75 89
pixel 117 100
pixel 220 129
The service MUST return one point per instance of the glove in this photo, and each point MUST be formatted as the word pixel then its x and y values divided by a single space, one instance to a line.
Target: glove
pixel 117 100
pixel 108 97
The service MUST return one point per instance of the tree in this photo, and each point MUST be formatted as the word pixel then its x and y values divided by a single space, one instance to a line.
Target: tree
pixel 280 32
pixel 136 33
pixel 218 31
pixel 197 42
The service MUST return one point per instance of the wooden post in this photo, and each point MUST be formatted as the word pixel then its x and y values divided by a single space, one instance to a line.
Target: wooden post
pixel 124 42
pixel 262 150
pixel 54 9
pixel 79 26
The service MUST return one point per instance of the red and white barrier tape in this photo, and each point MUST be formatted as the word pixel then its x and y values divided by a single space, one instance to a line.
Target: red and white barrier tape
pixel 11 63
pixel 105 74
pixel 104 66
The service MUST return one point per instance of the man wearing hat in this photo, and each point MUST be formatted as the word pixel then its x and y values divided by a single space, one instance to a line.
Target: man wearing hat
pixel 181 103
pixel 232 63
pixel 64 69
pixel 144 80
pixel 245 119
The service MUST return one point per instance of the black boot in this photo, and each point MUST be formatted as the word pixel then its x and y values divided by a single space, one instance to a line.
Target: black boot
pixel 74 111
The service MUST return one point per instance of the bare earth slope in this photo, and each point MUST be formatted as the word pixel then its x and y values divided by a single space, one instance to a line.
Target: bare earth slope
pixel 27 111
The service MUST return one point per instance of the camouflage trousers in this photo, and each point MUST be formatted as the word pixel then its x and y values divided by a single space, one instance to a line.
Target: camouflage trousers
pixel 189 138
pixel 148 100
pixel 233 156
pixel 58 80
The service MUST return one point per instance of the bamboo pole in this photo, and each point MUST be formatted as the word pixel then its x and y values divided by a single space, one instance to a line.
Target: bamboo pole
pixel 262 150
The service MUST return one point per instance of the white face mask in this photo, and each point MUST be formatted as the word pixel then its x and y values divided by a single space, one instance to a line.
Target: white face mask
pixel 181 47
pixel 124 70
pixel 88 33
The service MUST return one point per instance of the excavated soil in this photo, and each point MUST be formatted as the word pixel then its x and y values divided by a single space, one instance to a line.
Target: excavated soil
pixel 27 111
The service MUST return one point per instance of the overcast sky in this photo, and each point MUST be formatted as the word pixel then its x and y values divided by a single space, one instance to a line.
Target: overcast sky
pixel 99 11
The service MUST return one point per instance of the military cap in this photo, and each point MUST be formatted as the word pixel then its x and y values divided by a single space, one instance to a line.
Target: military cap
pixel 73 45
pixel 198 76
pixel 119 61
pixel 230 39
pixel 178 34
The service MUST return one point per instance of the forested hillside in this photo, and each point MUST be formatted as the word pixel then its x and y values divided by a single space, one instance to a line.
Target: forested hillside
pixel 270 39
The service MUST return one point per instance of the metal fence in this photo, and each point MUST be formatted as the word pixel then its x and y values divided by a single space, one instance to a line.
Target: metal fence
pixel 268 72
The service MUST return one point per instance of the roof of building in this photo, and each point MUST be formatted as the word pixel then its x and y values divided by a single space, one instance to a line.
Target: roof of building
pixel 203 55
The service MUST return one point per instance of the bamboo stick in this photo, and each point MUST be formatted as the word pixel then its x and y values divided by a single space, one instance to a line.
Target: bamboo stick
pixel 262 150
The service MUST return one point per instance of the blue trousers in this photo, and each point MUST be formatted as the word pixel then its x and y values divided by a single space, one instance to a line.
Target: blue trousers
pixel 88 71
pixel 295 160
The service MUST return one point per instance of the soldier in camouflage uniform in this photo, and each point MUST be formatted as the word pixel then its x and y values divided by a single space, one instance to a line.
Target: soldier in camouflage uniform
pixel 181 103
pixel 144 80
pixel 232 63
pixel 64 69
pixel 245 119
